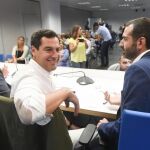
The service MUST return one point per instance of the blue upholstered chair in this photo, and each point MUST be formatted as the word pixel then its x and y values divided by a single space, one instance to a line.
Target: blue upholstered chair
pixel 1 57
pixel 8 56
pixel 134 131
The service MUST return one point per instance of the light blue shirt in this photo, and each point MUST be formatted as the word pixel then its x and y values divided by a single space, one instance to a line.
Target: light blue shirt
pixel 104 32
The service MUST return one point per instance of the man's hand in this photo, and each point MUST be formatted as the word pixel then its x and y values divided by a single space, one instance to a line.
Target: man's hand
pixel 5 71
pixel 104 120
pixel 114 98
pixel 107 96
pixel 73 98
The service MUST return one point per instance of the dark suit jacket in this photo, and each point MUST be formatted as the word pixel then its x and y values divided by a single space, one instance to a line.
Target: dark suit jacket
pixel 135 96
pixel 4 88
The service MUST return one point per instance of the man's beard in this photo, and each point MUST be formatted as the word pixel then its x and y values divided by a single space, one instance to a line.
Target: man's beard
pixel 132 52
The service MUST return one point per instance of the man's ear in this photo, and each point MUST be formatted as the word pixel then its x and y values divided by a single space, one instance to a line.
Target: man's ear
pixel 33 49
pixel 141 43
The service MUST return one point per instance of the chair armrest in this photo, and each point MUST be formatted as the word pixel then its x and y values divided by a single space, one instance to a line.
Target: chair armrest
pixel 87 134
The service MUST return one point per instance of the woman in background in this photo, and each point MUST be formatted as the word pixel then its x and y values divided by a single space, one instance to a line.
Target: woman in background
pixel 64 56
pixel 20 51
pixel 77 47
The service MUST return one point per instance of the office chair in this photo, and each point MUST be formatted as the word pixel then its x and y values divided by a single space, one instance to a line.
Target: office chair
pixel 134 131
pixel 89 139
pixel 8 56
pixel 1 57
pixel 16 136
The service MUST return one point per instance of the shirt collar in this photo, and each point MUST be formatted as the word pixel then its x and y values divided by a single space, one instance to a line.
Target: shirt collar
pixel 140 56
pixel 38 68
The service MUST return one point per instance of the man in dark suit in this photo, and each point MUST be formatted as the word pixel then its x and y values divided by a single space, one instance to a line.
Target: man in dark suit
pixel 135 93
pixel 4 87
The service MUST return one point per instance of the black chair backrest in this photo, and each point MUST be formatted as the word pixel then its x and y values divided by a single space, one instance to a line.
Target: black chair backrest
pixel 16 136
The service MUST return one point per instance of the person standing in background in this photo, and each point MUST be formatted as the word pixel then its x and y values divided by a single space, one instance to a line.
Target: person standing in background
pixel 87 36
pixel 105 37
pixel 77 47
pixel 64 55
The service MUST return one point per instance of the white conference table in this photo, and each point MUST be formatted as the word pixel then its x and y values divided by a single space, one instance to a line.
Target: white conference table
pixel 91 97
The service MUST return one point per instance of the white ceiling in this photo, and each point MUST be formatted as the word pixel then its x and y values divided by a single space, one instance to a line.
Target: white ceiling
pixel 103 5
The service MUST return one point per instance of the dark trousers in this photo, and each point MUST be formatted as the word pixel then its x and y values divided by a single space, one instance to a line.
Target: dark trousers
pixel 81 120
pixel 4 88
pixel 78 64
pixel 104 53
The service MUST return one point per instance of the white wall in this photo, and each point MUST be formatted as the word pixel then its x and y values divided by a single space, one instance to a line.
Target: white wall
pixel 50 12
pixel 17 18
pixel 22 17
pixel 71 17
pixel 10 23
pixel 1 40
pixel 118 18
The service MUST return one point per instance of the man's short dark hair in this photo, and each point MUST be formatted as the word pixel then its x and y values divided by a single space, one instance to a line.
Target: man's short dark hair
pixel 36 37
pixel 95 24
pixel 141 28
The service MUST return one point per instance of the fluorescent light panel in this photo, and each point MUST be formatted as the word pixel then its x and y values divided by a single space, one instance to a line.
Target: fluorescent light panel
pixel 84 3
pixel 95 6
pixel 130 0
pixel 104 9
pixel 135 7
pixel 123 5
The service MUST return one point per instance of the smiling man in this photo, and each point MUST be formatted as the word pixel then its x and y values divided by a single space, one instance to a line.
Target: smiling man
pixel 33 91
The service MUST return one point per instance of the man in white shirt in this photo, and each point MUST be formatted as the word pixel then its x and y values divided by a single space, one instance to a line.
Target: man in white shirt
pixel 33 90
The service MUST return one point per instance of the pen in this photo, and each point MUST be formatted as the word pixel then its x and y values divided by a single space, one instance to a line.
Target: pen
pixel 105 102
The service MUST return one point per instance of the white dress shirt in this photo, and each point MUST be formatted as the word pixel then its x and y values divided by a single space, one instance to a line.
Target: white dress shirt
pixel 29 87
pixel 140 56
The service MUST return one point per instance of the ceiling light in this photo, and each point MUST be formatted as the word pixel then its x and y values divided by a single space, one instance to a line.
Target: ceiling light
pixel 135 7
pixel 84 3
pixel 123 5
pixel 130 0
pixel 95 6
pixel 104 9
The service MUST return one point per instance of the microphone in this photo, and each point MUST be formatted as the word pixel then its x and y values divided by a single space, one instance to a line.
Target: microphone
pixel 15 70
pixel 84 80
